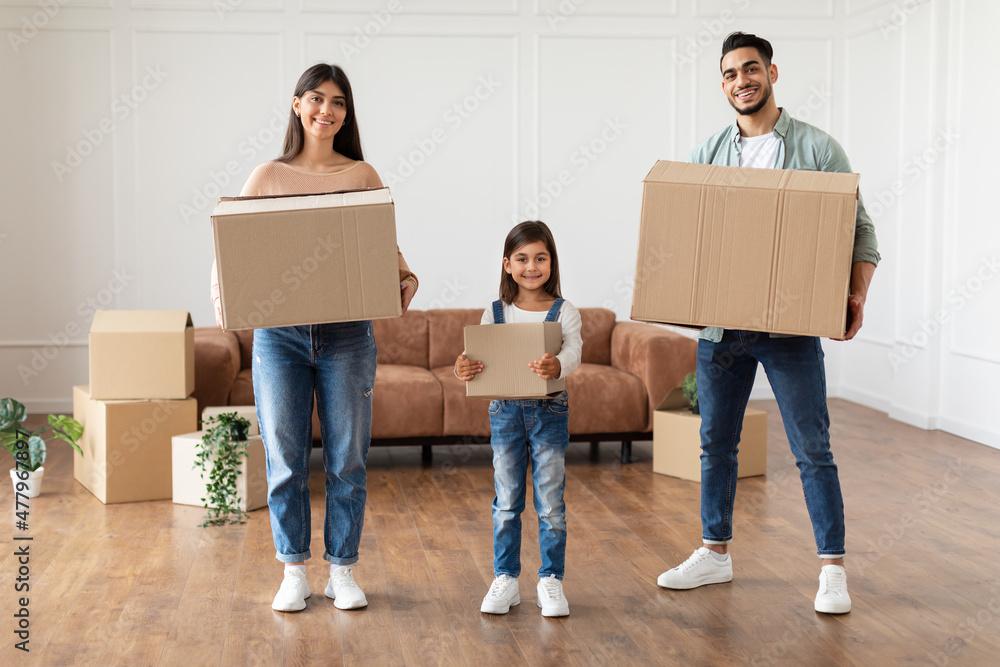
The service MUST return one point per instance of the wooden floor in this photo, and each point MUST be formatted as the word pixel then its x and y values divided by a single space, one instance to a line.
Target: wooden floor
pixel 141 584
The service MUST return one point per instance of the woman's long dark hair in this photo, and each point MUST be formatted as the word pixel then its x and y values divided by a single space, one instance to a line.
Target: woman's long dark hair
pixel 347 141
pixel 523 234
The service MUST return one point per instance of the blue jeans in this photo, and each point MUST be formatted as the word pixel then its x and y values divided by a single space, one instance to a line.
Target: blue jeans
pixel 337 361
pixel 539 429
pixel 794 367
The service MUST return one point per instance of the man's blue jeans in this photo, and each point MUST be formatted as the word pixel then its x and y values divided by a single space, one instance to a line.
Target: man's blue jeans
pixel 337 361
pixel 794 367
pixel 539 429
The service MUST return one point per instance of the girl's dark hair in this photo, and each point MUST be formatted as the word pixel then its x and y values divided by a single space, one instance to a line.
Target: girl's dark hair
pixel 738 40
pixel 521 235
pixel 347 141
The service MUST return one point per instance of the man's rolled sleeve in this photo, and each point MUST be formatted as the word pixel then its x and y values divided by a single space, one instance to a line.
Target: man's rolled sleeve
pixel 865 243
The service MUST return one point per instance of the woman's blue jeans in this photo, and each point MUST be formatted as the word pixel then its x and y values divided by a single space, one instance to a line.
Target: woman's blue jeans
pixel 337 361
pixel 538 429
pixel 794 367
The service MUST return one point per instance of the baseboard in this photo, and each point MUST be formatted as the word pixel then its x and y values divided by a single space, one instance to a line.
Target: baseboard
pixel 50 406
pixel 982 436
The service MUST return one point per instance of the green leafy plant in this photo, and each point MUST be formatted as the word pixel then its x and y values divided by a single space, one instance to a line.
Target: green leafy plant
pixel 225 445
pixel 689 385
pixel 13 435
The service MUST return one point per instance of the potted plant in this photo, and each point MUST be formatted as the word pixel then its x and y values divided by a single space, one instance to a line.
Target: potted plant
pixel 28 446
pixel 224 445
pixel 689 385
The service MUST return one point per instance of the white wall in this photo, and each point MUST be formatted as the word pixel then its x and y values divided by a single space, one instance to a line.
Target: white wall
pixel 125 120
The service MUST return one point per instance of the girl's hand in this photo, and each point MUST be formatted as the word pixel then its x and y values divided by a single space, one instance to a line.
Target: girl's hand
pixel 406 291
pixel 548 367
pixel 467 369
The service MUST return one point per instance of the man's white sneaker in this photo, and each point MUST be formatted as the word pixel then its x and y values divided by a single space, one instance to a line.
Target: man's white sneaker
pixel 832 597
pixel 293 592
pixel 503 595
pixel 700 569
pixel 551 598
pixel 343 591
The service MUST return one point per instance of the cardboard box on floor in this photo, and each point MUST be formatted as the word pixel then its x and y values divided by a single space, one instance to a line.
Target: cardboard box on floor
pixel 506 350
pixel 306 259
pixel 126 445
pixel 740 248
pixel 141 354
pixel 677 440
pixel 189 487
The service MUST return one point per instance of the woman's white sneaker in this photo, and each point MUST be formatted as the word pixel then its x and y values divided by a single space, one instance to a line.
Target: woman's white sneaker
pixel 700 569
pixel 342 589
pixel 503 595
pixel 551 598
pixel 293 592
pixel 832 597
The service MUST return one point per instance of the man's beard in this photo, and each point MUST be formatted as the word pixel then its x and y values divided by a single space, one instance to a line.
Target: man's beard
pixel 749 111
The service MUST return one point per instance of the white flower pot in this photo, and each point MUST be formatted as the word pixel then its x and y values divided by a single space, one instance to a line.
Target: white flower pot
pixel 34 481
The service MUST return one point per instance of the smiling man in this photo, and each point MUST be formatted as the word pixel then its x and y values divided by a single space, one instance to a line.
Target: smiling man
pixel 766 136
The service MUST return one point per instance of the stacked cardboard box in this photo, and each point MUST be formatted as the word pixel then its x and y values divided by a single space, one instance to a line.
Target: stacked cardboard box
pixel 141 380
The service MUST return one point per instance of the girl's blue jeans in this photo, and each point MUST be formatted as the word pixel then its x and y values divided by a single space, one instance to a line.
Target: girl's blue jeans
pixel 539 430
pixel 337 361
pixel 794 367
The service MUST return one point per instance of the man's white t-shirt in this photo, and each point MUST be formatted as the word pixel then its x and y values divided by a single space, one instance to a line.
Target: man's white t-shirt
pixel 759 152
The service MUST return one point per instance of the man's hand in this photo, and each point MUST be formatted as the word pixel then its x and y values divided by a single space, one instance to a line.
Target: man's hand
pixel 467 369
pixel 861 278
pixel 547 368
pixel 218 312
pixel 855 315
pixel 407 290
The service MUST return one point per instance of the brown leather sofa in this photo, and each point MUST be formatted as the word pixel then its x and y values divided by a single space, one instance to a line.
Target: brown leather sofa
pixel 627 369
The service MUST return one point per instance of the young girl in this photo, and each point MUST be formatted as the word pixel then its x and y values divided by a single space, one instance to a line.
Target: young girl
pixel 529 292
pixel 336 361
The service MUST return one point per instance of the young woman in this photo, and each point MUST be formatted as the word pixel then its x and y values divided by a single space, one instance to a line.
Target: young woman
pixel 322 153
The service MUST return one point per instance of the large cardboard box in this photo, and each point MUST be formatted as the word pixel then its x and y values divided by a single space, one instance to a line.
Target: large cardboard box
pixel 126 445
pixel 506 350
pixel 189 487
pixel 138 354
pixel 677 441
pixel 739 248
pixel 306 259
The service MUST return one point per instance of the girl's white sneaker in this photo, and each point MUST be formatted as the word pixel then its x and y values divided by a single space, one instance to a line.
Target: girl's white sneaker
pixel 503 595
pixel 551 598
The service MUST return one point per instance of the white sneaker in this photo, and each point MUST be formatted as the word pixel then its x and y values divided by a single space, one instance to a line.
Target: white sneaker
pixel 344 592
pixel 700 569
pixel 503 595
pixel 293 592
pixel 832 597
pixel 551 598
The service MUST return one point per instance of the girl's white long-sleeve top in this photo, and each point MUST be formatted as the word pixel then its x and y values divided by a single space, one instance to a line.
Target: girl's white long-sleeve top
pixel 572 346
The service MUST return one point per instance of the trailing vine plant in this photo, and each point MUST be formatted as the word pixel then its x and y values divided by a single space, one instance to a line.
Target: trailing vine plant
pixel 225 442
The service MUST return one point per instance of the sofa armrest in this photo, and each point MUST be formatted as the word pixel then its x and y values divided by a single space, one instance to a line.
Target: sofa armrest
pixel 660 358
pixel 216 364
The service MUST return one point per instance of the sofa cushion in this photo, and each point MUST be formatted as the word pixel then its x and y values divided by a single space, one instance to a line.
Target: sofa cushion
pixel 447 333
pixel 242 393
pixel 407 403
pixel 597 324
pixel 603 399
pixel 402 340
pixel 246 349
pixel 462 415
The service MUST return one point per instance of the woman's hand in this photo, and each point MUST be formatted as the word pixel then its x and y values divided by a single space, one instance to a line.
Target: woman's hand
pixel 407 290
pixel 547 368
pixel 467 369
pixel 218 312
